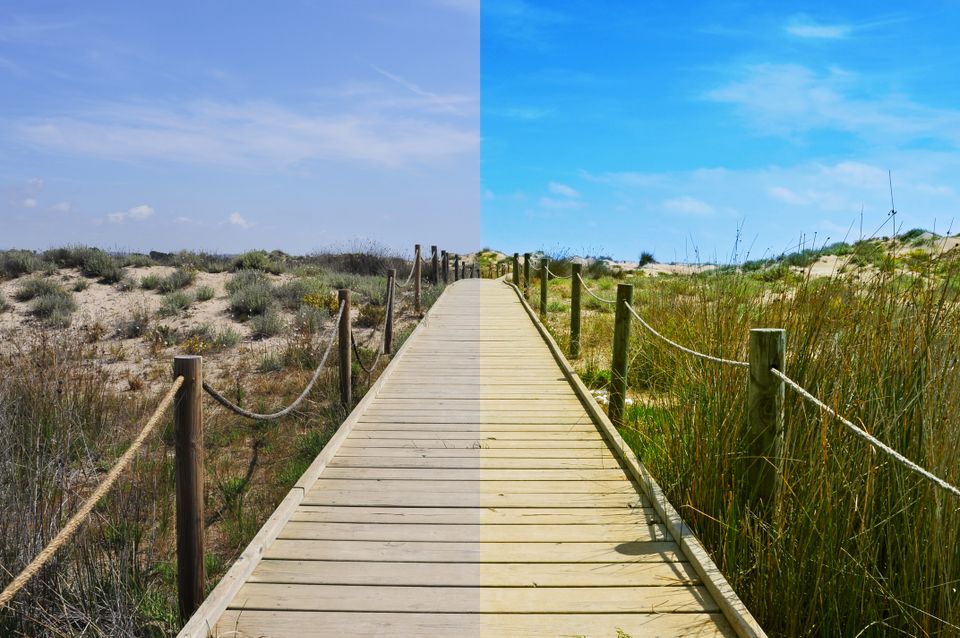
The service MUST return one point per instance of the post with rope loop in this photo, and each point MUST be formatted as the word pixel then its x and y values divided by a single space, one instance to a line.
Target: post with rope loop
pixel 388 323
pixel 456 267
pixel 526 272
pixel 575 310
pixel 621 345
pixel 446 268
pixel 188 446
pixel 435 275
pixel 765 394
pixel 344 335
pixel 416 278
pixel 544 282
pixel 516 269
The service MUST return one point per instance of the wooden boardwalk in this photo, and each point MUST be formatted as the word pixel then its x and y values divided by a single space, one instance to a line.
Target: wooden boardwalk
pixel 472 493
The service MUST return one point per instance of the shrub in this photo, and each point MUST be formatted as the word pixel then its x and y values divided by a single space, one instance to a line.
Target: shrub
pixel 174 303
pixel 646 258
pixel 4 304
pixel 226 338
pixel 266 325
pixel 205 293
pixel 177 280
pixel 55 308
pixel 101 265
pixel 136 325
pixel 150 282
pixel 309 320
pixel 36 286
pixel 371 316
pixel 291 294
pixel 257 260
pixel 250 295
pixel 126 284
pixel 137 260
pixel 14 263
pixel 80 285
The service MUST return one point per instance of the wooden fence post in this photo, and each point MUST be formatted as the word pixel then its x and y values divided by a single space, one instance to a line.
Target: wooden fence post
pixel 388 327
pixel 621 346
pixel 435 275
pixel 575 310
pixel 446 268
pixel 456 267
pixel 343 349
pixel 463 270
pixel 765 394
pixel 544 282
pixel 526 272
pixel 516 269
pixel 188 446
pixel 416 278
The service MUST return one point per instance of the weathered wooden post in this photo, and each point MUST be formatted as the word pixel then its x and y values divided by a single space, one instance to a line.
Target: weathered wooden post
pixel 577 269
pixel 526 272
pixel 446 268
pixel 456 267
pixel 416 278
pixel 516 269
pixel 765 394
pixel 544 282
pixel 621 345
pixel 463 270
pixel 388 322
pixel 435 275
pixel 188 446
pixel 343 348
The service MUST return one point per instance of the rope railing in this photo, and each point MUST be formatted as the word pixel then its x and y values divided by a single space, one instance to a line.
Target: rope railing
pixel 67 531
pixel 236 409
pixel 676 345
pixel 556 276
pixel 353 339
pixel 593 294
pixel 413 269
pixel 866 436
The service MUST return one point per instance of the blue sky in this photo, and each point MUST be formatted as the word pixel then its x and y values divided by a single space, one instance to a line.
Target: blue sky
pixel 225 126
pixel 619 127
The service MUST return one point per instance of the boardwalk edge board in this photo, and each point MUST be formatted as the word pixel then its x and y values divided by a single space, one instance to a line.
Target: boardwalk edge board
pixel 730 604
pixel 202 623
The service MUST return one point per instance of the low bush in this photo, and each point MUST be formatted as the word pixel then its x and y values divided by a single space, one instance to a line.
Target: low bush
pixel 269 324
pixel 205 293
pixel 55 308
pixel 15 263
pixel 80 285
pixel 251 294
pixel 371 316
pixel 309 320
pixel 177 280
pixel 136 325
pixel 98 264
pixel 150 282
pixel 4 304
pixel 37 286
pixel 258 260
pixel 174 303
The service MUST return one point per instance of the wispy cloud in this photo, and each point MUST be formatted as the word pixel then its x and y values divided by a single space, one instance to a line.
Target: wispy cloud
pixel 236 219
pixel 688 206
pixel 522 22
pixel 251 134
pixel 29 202
pixel 562 189
pixel 792 100
pixel 61 207
pixel 137 213
pixel 805 27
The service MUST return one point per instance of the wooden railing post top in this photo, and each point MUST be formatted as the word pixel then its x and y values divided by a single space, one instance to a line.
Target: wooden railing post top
pixel 576 267
pixel 624 292
pixel 187 357
pixel 768 330
pixel 343 293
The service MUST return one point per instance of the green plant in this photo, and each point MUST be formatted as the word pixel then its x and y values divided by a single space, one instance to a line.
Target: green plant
pixel 251 294
pixel 257 260
pixel 371 315
pixel 205 293
pixel 150 282
pixel 269 324
pixel 4 304
pixel 100 265
pixel 174 303
pixel 178 279
pixel 646 258
pixel 36 286
pixel 14 263
pixel 55 308
pixel 136 325
pixel 80 285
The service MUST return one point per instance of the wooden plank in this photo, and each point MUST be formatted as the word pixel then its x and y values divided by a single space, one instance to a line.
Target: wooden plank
pixel 476 463
pixel 475 574
pixel 297 529
pixel 569 486
pixel 477 435
pixel 467 499
pixel 477 515
pixel 540 600
pixel 474 474
pixel 445 443
pixel 374 426
pixel 481 453
pixel 254 623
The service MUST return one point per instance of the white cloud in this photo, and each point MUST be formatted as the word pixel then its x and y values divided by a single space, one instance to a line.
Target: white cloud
pixel 182 220
pixel 785 195
pixel 34 185
pixel 803 27
pixel 237 220
pixel 374 124
pixel 140 212
pixel 29 203
pixel 791 100
pixel 688 206
pixel 936 189
pixel 61 207
pixel 562 190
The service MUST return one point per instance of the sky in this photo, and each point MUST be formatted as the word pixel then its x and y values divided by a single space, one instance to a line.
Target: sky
pixel 226 126
pixel 715 131
pixel 699 131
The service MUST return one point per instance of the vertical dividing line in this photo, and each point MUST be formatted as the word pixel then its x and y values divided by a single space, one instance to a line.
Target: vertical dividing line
pixel 621 344
pixel 343 349
pixel 575 311
pixel 188 446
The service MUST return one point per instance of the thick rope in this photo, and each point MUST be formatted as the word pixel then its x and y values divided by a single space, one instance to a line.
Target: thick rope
pixel 863 434
pixel 593 294
pixel 556 276
pixel 676 345
pixel 222 400
pixel 68 530
pixel 383 332
pixel 412 269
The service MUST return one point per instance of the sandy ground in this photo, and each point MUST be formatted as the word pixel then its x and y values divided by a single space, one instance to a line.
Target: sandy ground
pixel 102 308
